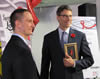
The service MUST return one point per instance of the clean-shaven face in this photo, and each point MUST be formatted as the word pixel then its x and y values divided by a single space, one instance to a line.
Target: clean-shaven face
pixel 65 19
pixel 27 24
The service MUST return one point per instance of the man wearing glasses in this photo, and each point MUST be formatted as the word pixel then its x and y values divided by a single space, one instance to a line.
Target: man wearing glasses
pixel 54 59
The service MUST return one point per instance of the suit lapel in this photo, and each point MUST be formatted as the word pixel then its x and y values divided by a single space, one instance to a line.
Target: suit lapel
pixel 70 38
pixel 56 38
pixel 57 41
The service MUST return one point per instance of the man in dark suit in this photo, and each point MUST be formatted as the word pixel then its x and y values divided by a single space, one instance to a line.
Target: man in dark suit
pixel 17 61
pixel 54 59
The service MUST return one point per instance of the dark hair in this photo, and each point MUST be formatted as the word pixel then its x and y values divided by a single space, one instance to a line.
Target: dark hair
pixel 16 15
pixel 61 8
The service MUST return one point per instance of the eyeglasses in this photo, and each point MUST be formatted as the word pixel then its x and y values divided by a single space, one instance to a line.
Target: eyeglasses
pixel 66 16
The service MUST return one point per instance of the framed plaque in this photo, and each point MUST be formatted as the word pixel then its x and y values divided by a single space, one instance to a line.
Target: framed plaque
pixel 71 49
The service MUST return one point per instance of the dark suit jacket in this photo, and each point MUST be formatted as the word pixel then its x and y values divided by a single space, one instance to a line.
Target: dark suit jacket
pixel 53 53
pixel 17 61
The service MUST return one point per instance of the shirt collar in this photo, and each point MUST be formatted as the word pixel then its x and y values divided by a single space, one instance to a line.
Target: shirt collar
pixel 15 34
pixel 60 31
pixel 67 30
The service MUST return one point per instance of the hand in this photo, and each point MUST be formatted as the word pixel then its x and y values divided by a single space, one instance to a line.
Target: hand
pixel 68 61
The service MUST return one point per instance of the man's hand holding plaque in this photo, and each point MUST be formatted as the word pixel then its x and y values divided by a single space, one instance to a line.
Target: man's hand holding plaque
pixel 68 61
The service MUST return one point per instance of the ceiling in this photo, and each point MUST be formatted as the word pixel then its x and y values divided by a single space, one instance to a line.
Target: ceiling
pixel 59 2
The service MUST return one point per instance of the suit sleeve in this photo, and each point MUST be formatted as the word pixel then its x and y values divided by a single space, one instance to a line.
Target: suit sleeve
pixel 24 67
pixel 86 59
pixel 19 68
pixel 45 60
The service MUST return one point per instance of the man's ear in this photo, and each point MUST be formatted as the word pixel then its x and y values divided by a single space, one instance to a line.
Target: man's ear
pixel 57 17
pixel 17 23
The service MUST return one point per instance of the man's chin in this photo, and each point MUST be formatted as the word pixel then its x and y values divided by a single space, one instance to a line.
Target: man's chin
pixel 31 33
pixel 68 25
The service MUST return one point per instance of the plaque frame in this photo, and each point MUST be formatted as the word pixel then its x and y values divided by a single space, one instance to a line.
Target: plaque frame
pixel 71 50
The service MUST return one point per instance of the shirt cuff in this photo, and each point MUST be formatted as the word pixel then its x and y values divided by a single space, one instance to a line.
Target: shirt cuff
pixel 74 64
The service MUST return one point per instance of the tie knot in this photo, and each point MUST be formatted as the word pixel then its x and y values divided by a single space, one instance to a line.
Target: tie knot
pixel 63 33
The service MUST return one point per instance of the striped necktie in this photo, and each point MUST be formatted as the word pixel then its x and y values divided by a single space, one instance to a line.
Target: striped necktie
pixel 62 40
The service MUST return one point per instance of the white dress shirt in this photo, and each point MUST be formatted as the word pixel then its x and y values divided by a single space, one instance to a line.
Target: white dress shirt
pixel 66 34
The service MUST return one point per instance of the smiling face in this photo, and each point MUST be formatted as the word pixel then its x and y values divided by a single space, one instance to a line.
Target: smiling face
pixel 25 26
pixel 65 19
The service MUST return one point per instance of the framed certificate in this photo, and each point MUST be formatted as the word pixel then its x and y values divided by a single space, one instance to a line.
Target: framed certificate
pixel 71 49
